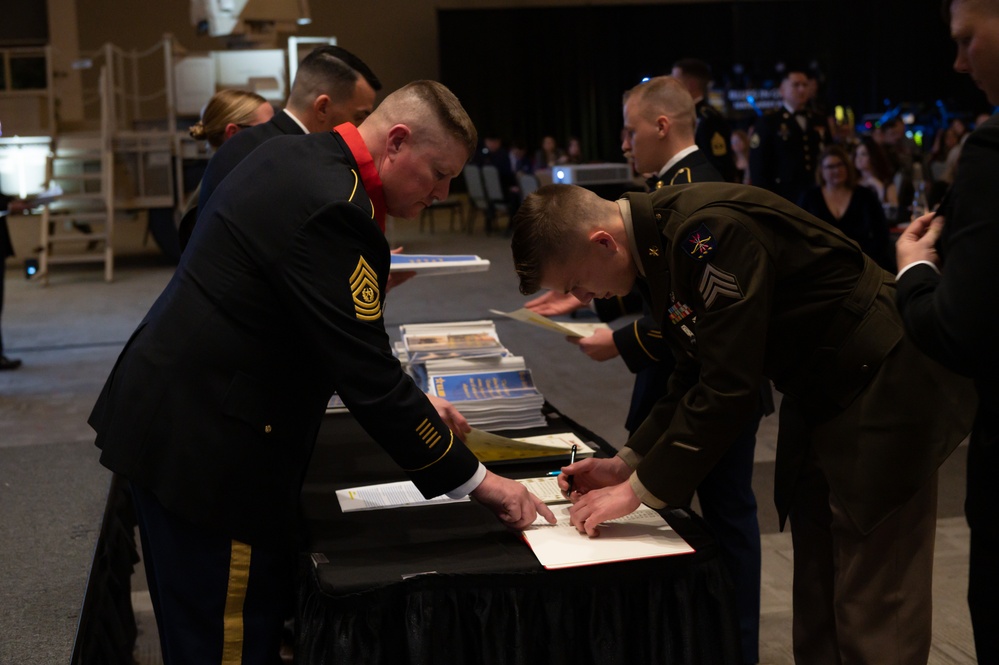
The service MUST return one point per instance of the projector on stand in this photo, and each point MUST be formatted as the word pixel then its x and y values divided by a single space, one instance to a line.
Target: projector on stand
pixel 585 175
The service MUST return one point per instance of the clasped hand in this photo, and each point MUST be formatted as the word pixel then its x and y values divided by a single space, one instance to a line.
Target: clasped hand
pixel 600 492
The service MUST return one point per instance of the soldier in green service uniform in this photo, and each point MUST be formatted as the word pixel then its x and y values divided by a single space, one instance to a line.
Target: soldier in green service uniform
pixel 746 285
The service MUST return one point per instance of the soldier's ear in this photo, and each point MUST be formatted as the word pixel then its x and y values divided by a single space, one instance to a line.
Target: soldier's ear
pixel 397 136
pixel 603 240
pixel 663 124
pixel 321 106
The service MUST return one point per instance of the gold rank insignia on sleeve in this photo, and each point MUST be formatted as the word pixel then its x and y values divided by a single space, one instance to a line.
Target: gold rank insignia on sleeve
pixel 364 289
pixel 718 146
pixel 428 433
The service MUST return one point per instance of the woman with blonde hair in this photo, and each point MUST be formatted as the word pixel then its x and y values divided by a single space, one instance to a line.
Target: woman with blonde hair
pixel 227 112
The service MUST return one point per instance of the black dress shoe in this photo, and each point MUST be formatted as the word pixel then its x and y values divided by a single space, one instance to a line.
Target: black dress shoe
pixel 9 363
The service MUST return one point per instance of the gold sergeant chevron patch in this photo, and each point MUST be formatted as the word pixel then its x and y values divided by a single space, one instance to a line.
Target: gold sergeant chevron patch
pixel 364 289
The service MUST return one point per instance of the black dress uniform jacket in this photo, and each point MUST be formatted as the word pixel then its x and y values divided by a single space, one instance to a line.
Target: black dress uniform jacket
pixel 954 319
pixel 241 144
pixel 714 137
pixel 215 402
pixel 782 156
pixel 747 285
pixel 225 159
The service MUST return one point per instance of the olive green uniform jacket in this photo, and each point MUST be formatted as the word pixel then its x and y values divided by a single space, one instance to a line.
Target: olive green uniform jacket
pixel 747 285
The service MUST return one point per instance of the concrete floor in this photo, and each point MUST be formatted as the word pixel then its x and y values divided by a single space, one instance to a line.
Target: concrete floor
pixel 69 333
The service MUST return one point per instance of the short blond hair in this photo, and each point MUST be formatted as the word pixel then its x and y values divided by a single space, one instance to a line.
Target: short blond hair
pixel 664 95
pixel 426 106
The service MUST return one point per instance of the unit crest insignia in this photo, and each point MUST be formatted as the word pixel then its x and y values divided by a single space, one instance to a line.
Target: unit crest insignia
pixel 364 289
pixel 700 244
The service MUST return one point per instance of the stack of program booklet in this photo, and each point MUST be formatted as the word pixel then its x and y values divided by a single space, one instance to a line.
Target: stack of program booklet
pixel 465 363
pixel 459 339
pixel 492 399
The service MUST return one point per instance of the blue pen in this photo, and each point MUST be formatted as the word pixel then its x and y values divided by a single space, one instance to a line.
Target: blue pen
pixel 554 473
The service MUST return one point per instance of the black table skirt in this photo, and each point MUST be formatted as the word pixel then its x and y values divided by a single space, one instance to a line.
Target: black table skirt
pixel 450 585
pixel 107 630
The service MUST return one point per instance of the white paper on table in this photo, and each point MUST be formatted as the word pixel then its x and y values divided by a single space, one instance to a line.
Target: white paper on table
pixel 545 488
pixel 386 495
pixel 640 535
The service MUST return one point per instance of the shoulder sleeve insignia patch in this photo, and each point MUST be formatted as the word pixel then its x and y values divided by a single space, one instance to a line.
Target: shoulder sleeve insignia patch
pixel 716 283
pixel 364 289
pixel 700 244
pixel 718 145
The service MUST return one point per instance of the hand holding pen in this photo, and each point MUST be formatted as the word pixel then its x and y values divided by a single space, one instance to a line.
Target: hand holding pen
pixel 591 473
pixel 572 460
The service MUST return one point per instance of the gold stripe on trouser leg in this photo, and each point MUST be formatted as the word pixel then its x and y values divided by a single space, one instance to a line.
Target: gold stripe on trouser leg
pixel 232 621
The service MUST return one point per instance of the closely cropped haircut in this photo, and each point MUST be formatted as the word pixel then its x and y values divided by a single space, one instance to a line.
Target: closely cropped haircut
pixel 695 69
pixel 226 106
pixel 415 103
pixel 840 153
pixel 354 63
pixel 545 230
pixel 664 95
pixel 331 71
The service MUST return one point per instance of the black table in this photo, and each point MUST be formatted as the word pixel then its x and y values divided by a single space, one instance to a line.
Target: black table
pixel 449 584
